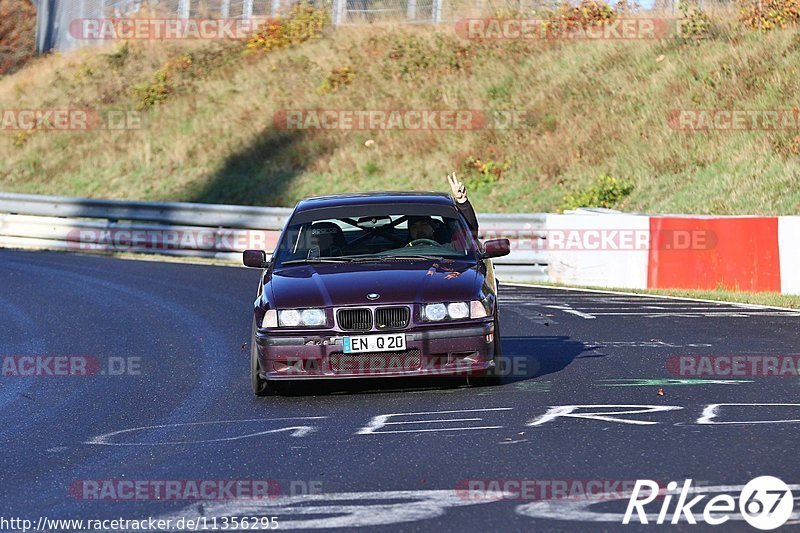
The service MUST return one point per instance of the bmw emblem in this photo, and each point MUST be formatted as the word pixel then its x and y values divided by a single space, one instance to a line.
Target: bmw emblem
pixel 373 296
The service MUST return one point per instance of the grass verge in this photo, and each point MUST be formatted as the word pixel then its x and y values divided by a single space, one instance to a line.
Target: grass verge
pixel 596 122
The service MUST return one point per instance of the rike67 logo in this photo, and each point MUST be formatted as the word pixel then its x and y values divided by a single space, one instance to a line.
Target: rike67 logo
pixel 765 503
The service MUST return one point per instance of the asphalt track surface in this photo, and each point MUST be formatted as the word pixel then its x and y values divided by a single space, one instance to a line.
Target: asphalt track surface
pixel 187 326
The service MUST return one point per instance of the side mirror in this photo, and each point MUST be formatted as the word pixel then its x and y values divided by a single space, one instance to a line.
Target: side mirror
pixel 255 258
pixel 496 248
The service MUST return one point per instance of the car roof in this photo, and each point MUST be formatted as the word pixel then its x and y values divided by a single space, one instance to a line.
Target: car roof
pixel 373 198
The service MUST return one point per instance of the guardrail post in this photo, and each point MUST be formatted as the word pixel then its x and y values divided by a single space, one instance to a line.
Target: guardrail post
pixel 81 14
pixel 184 8
pixel 339 11
pixel 411 10
pixel 82 9
pixel 437 11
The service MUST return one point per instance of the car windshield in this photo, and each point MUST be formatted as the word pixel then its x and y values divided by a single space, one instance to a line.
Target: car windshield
pixel 376 237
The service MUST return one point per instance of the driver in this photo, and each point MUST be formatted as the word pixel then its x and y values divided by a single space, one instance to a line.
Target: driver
pixel 420 227
pixel 327 239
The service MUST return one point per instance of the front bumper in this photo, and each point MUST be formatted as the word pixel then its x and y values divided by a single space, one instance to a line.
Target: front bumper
pixel 436 351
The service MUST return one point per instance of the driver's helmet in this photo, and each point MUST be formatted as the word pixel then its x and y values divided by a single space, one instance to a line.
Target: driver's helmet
pixel 328 238
pixel 420 227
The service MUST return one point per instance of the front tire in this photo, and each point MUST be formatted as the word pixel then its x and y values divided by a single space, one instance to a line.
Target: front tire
pixel 261 387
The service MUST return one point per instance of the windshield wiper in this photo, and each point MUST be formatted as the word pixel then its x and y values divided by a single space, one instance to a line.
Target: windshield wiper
pixel 379 258
pixel 413 257
pixel 364 259
pixel 318 260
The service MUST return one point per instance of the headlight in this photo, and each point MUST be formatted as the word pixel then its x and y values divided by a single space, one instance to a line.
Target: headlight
pixel 478 309
pixel 435 312
pixel 290 317
pixel 451 311
pixel 293 318
pixel 312 317
pixel 458 310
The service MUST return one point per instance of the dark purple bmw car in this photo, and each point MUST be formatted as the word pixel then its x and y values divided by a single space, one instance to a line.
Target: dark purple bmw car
pixel 375 285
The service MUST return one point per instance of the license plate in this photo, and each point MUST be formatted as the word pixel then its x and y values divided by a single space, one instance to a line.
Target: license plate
pixel 375 343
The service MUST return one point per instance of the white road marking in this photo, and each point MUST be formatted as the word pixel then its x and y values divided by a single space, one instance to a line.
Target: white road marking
pixel 380 421
pixel 647 306
pixel 728 314
pixel 568 411
pixel 370 509
pixel 661 308
pixel 440 420
pixel 435 430
pixel 637 295
pixel 711 411
pixel 605 308
pixel 296 431
pixel 596 412
pixel 571 311
pixel 531 298
pixel 642 382
pixel 644 344
pixel 338 510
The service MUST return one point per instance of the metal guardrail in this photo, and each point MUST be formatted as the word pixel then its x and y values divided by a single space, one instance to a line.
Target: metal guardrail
pixel 56 18
pixel 206 230
pixel 231 216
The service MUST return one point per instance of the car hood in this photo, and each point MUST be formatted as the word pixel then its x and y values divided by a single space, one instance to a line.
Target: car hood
pixel 325 285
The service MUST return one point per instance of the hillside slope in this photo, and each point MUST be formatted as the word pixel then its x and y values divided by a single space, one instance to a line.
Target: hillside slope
pixel 593 109
pixel 17 34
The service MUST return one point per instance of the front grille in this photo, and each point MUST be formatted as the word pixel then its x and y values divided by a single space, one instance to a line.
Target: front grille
pixel 391 317
pixel 355 319
pixel 375 363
